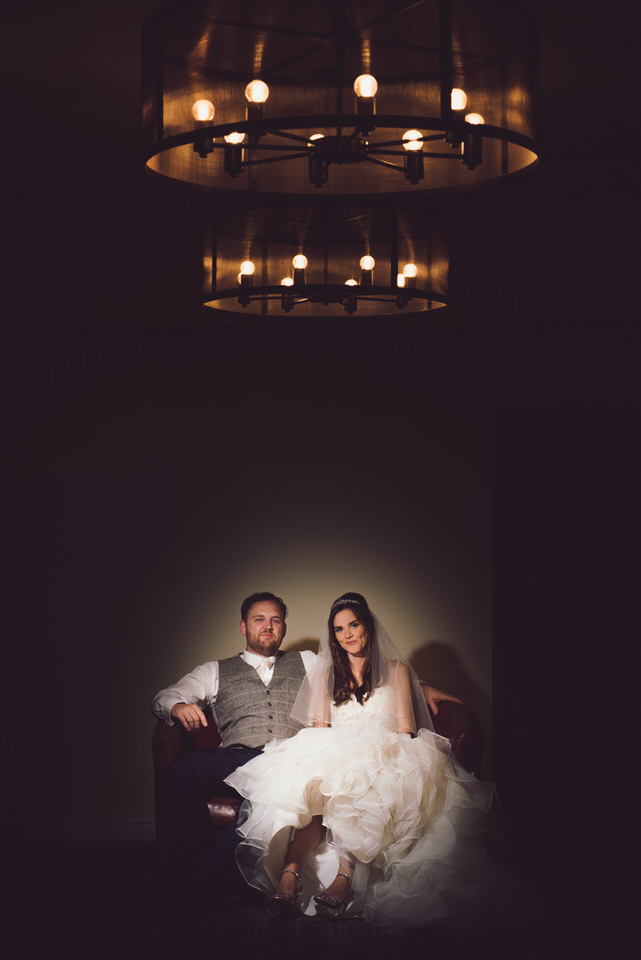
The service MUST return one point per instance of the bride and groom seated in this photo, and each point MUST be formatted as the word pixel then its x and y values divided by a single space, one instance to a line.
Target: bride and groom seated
pixel 354 805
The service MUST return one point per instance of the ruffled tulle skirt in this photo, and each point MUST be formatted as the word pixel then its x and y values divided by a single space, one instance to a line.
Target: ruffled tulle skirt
pixel 423 832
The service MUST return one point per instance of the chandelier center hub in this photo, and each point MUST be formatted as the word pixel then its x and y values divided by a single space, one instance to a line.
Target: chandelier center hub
pixel 341 149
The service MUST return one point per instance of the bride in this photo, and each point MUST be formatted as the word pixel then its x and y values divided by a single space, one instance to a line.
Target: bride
pixel 366 812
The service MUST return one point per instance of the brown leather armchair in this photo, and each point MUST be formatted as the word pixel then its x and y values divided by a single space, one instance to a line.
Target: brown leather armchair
pixel 453 721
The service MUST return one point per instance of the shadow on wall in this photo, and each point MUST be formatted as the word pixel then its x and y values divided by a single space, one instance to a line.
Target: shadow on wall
pixel 440 665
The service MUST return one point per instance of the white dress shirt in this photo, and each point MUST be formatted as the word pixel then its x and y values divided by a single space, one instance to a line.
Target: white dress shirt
pixel 201 685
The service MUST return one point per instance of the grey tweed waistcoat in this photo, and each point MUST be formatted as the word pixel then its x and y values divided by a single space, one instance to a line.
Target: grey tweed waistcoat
pixel 250 714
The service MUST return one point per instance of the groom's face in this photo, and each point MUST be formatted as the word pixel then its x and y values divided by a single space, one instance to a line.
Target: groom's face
pixel 264 628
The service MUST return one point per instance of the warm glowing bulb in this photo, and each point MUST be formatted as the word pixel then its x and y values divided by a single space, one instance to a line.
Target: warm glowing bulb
pixel 400 280
pixel 287 282
pixel 316 136
pixel 234 137
pixel 351 283
pixel 474 118
pixel 365 86
pixel 410 270
pixel 299 262
pixel 203 110
pixel 412 140
pixel 257 91
pixel 458 99
pixel 367 263
pixel 247 268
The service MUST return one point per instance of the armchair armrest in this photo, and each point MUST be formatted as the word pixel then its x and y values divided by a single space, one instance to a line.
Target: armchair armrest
pixel 456 722
pixel 167 744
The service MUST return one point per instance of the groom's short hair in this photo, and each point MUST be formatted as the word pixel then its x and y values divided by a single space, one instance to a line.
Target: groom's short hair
pixel 249 602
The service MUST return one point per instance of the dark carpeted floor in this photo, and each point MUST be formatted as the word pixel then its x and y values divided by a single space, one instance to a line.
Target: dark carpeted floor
pixel 117 901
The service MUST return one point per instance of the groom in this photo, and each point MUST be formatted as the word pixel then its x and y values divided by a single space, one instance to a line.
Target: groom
pixel 251 696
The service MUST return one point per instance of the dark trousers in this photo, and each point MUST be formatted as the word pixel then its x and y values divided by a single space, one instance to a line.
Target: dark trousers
pixel 194 778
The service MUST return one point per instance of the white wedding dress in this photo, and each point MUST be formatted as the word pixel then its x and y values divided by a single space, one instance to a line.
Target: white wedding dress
pixel 420 828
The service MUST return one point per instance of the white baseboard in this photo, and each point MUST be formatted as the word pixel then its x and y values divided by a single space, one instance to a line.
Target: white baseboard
pixel 142 831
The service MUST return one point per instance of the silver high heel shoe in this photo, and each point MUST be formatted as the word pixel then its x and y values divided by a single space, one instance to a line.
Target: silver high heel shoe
pixel 283 904
pixel 331 906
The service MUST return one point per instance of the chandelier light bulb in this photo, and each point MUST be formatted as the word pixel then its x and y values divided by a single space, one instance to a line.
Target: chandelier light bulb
pixel 203 110
pixel 412 140
pixel 351 283
pixel 367 263
pixel 234 137
pixel 287 282
pixel 458 99
pixel 474 118
pixel 365 86
pixel 410 270
pixel 257 91
pixel 299 262
pixel 247 268
pixel 400 280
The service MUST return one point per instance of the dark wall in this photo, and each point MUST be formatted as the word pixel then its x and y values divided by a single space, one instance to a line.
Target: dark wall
pixel 566 626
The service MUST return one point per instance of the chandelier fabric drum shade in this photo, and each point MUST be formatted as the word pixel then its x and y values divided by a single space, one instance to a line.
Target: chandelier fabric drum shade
pixel 324 260
pixel 344 97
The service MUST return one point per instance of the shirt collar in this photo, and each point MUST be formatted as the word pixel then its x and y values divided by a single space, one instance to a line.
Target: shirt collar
pixel 254 659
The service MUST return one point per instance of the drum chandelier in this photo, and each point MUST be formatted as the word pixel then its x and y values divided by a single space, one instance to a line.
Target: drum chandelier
pixel 326 258
pixel 365 102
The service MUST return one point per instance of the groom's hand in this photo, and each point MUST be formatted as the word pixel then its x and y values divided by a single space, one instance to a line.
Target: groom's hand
pixel 190 715
pixel 435 696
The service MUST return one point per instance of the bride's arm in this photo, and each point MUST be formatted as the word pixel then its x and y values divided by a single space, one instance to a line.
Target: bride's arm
pixel 404 712
pixel 323 720
pixel 321 705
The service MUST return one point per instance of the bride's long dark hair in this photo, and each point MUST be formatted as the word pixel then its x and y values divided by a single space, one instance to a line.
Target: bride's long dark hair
pixel 344 684
pixel 330 682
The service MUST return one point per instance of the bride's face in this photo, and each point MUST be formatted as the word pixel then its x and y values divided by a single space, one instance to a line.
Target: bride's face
pixel 350 633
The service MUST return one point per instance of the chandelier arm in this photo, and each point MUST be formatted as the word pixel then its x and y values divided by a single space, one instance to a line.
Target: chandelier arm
pixel 291 156
pixel 443 156
pixel 384 163
pixel 385 153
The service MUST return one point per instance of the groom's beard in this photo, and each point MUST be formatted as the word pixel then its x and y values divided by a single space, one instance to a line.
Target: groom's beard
pixel 265 646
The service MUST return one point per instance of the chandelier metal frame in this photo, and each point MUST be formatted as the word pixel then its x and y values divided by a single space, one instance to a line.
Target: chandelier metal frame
pixel 423 52
pixel 326 259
